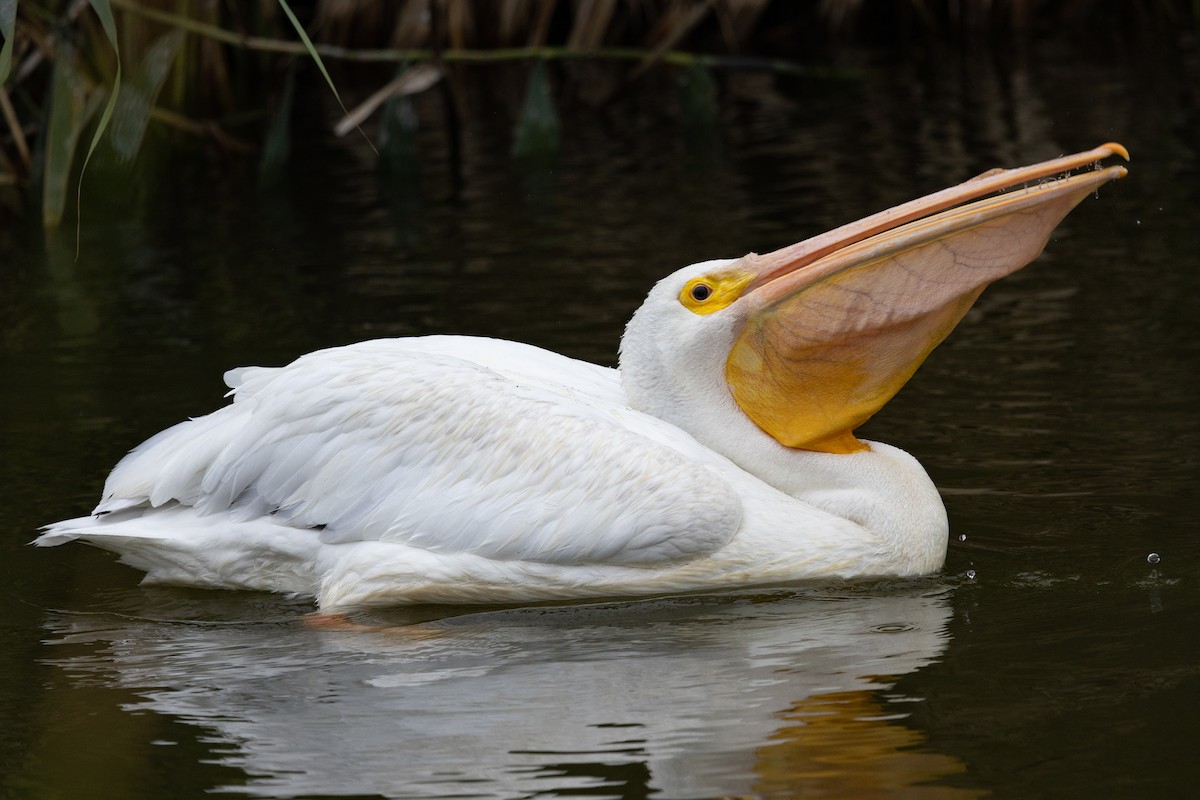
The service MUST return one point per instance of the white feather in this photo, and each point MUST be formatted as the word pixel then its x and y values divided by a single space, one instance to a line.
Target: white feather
pixel 458 469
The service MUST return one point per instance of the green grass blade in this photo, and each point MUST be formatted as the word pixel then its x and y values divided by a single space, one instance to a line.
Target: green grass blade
pixel 70 110
pixel 61 135
pixel 104 12
pixel 8 27
pixel 138 97
pixel 312 51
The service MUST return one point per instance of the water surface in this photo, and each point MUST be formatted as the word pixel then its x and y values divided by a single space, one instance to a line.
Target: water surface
pixel 1049 659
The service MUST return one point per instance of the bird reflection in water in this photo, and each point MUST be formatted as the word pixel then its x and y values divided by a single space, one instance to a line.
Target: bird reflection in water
pixel 770 694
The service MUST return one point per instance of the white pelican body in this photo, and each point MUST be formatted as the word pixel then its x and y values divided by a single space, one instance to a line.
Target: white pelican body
pixel 458 469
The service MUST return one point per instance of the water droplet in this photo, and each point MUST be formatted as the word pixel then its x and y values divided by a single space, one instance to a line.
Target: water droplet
pixel 962 537
pixel 970 574
pixel 1153 558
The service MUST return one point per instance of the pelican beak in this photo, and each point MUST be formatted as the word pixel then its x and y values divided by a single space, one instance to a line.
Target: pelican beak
pixel 836 324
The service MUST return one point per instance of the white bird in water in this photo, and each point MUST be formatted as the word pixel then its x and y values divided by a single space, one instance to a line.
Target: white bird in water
pixel 721 453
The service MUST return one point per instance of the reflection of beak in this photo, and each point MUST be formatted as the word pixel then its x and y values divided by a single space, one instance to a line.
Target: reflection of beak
pixel 847 744
pixel 836 324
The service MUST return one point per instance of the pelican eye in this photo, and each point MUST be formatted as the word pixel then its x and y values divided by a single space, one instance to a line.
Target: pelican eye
pixel 713 292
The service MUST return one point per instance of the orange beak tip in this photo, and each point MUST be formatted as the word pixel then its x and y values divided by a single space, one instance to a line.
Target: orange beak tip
pixel 1116 149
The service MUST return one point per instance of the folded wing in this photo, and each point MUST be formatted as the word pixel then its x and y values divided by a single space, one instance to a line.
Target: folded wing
pixel 417 442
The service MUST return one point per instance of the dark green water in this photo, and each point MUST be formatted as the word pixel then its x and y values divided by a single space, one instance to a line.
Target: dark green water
pixel 1049 659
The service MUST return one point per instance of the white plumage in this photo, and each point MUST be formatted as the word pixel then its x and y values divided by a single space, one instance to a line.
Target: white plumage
pixel 405 470
pixel 457 469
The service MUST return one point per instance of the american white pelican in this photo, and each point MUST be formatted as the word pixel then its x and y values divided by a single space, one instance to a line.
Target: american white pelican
pixel 720 453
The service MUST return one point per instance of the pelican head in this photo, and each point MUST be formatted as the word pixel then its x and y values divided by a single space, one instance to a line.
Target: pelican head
pixel 806 343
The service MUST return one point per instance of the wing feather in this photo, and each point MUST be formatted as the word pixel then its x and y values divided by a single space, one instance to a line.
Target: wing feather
pixel 449 444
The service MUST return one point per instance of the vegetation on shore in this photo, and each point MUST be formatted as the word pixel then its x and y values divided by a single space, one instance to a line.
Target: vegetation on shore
pixel 85 80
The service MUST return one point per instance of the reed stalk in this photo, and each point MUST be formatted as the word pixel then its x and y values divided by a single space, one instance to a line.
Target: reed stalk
pixel 204 69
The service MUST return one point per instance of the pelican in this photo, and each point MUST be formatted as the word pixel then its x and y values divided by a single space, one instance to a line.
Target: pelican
pixel 720 453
